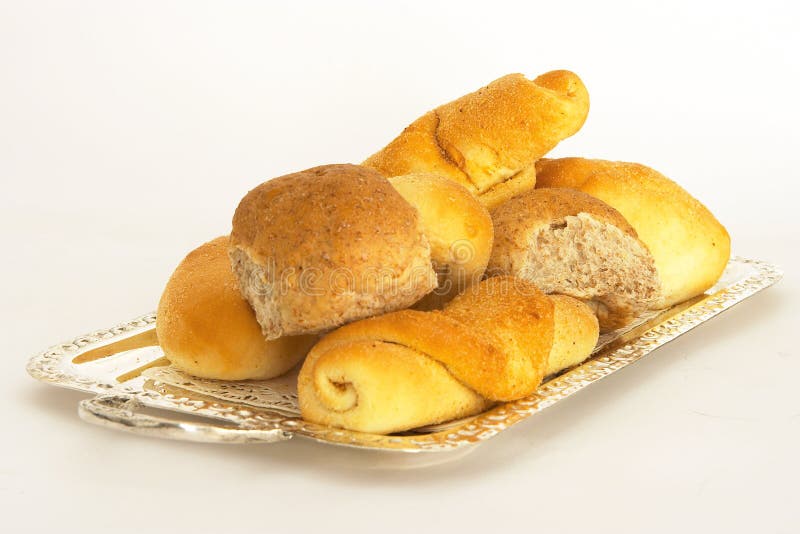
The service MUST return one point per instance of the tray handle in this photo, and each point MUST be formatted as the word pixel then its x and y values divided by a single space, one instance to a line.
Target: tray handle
pixel 123 413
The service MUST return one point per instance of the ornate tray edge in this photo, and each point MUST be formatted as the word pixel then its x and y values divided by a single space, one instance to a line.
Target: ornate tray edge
pixel 44 366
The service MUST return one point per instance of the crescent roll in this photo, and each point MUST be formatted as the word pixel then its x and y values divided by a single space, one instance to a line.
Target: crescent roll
pixel 489 140
pixel 406 369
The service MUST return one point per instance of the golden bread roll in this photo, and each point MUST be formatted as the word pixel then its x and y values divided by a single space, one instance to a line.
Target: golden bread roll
pixel 207 329
pixel 488 140
pixel 411 368
pixel 690 247
pixel 575 334
pixel 322 247
pixel 568 242
pixel 517 320
pixel 378 375
pixel 458 228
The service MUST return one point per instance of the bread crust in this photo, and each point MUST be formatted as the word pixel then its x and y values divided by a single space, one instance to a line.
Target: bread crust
pixel 575 333
pixel 459 230
pixel 207 329
pixel 415 150
pixel 316 249
pixel 516 318
pixel 689 245
pixel 542 206
pixel 491 137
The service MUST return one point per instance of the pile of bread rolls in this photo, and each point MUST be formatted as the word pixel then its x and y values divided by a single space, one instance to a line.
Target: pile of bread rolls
pixel 453 269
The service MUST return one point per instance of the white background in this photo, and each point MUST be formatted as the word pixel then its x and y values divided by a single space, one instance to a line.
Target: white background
pixel 129 131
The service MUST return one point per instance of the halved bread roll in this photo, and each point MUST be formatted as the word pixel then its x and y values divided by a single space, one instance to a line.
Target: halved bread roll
pixel 568 242
pixel 488 140
pixel 319 248
pixel 689 245
pixel 207 329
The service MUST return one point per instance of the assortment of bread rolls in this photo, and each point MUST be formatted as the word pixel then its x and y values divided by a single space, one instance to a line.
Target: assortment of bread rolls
pixel 453 270
pixel 488 141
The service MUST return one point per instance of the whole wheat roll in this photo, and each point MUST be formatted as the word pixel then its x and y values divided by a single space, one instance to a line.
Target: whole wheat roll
pixel 322 247
pixel 489 140
pixel 571 243
pixel 689 245
pixel 207 329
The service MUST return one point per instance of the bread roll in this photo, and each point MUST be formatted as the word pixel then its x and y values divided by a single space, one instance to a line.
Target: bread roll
pixel 458 228
pixel 411 368
pixel 488 140
pixel 207 329
pixel 322 247
pixel 575 333
pixel 690 247
pixel 568 242
pixel 516 319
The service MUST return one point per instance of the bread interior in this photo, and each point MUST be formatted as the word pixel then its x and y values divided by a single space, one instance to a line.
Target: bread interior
pixel 590 259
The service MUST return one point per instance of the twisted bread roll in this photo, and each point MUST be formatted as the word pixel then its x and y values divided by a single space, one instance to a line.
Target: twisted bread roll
pixel 207 329
pixel 406 369
pixel 319 248
pixel 458 228
pixel 568 242
pixel 690 247
pixel 488 140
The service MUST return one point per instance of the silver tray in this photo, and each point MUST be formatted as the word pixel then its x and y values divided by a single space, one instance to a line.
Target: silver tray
pixel 132 382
